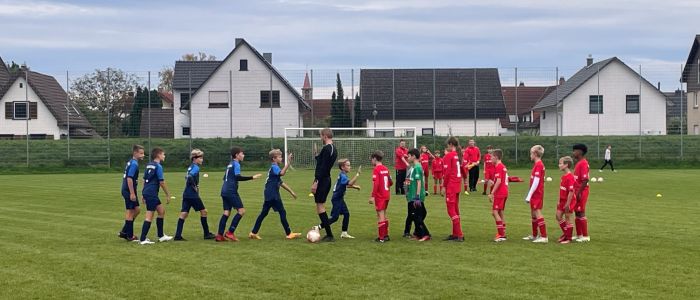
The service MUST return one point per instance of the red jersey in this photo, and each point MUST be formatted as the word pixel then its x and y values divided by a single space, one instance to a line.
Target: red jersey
pixel 399 164
pixel 566 186
pixel 425 161
pixel 453 175
pixel 472 155
pixel 502 173
pixel 538 171
pixel 382 183
pixel 488 165
pixel 438 166
pixel 581 171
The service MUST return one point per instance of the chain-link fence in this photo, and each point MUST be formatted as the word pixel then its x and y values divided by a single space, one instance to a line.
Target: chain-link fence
pixel 648 115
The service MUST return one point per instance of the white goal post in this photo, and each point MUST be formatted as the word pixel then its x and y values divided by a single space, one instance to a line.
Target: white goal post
pixel 355 143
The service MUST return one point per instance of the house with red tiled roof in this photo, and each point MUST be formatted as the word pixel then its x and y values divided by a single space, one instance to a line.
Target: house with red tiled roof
pixel 519 101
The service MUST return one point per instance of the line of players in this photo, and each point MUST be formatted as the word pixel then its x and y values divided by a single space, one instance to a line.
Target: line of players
pixel 447 174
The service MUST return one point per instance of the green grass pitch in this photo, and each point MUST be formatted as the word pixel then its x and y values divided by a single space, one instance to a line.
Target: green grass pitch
pixel 58 240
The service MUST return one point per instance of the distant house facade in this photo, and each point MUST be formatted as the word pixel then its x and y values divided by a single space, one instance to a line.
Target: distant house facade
pixel 603 98
pixel 461 101
pixel 519 102
pixel 36 102
pixel 233 97
pixel 691 76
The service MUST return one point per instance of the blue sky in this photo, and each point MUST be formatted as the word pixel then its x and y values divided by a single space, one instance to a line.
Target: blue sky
pixel 327 34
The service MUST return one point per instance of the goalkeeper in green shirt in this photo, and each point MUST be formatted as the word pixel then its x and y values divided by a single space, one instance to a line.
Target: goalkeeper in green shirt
pixel 415 195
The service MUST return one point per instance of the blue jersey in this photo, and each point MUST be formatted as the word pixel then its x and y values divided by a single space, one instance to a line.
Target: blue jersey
pixel 130 171
pixel 341 185
pixel 152 179
pixel 230 186
pixel 191 182
pixel 272 185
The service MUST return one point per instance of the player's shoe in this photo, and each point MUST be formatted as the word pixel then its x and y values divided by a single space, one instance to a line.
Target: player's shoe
pixel 293 235
pixel 220 238
pixel 562 238
pixel 466 192
pixel 499 239
pixel 328 239
pixel 133 238
pixel 450 238
pixel 600 171
pixel 179 238
pixel 458 239
pixel 254 236
pixel 209 236
pixel 345 235
pixel 386 238
pixel 146 242
pixel 425 238
pixel 529 238
pixel 576 238
pixel 378 240
pixel 541 240
pixel 406 235
pixel 165 238
pixel 564 241
pixel 232 237
pixel 484 193
pixel 584 239
pixel 122 235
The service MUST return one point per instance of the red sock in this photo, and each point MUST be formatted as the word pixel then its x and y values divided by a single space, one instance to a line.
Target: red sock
pixel 434 188
pixel 563 225
pixel 534 227
pixel 584 226
pixel 542 226
pixel 380 229
pixel 386 228
pixel 485 185
pixel 579 226
pixel 500 228
pixel 569 230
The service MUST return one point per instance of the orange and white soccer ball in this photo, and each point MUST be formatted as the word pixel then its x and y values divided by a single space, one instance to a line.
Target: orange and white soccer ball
pixel 313 236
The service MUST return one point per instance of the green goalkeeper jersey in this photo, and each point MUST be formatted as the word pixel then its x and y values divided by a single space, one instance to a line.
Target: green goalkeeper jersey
pixel 415 173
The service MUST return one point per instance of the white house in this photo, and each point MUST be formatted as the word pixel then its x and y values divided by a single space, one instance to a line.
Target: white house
pixel 231 98
pixel 39 107
pixel 606 97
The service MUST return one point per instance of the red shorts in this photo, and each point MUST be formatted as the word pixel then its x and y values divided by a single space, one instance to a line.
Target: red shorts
pixel 426 173
pixel 437 175
pixel 499 203
pixel 381 204
pixel 560 205
pixel 465 172
pixel 581 203
pixel 536 203
pixel 452 196
pixel 488 175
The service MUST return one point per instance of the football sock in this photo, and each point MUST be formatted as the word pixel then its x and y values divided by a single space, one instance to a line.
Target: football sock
pixel 180 223
pixel 324 223
pixel 584 226
pixel 144 229
pixel 534 227
pixel 542 226
pixel 205 224
pixel 222 224
pixel 579 226
pixel 129 229
pixel 500 228
pixel 346 221
pixel 159 226
pixel 234 223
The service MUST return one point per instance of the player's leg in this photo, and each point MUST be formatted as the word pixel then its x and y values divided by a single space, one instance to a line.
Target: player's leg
pixel 184 212
pixel 423 213
pixel 383 225
pixel 541 226
pixel 162 237
pixel 279 207
pixel 409 220
pixel 561 219
pixel 335 213
pixel 452 199
pixel 258 222
pixel 611 166
pixel 203 215
pixel 150 210
pixel 227 206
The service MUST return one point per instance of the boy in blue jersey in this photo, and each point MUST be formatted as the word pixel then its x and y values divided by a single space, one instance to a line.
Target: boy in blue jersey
pixel 272 196
pixel 153 181
pixel 230 197
pixel 338 199
pixel 191 199
pixel 131 200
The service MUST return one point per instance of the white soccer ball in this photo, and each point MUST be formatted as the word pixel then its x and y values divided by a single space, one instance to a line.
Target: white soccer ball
pixel 205 175
pixel 549 179
pixel 313 236
pixel 483 181
pixel 600 179
pixel 593 179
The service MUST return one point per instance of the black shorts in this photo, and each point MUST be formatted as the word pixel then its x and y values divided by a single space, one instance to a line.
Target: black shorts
pixel 152 202
pixel 322 189
pixel 128 204
pixel 232 201
pixel 195 203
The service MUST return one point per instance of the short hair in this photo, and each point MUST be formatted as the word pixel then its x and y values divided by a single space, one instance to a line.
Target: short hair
pixel 453 141
pixel 136 148
pixel 342 162
pixel 274 153
pixel 196 153
pixel 327 132
pixel 489 147
pixel 498 153
pixel 235 150
pixel 581 147
pixel 538 150
pixel 156 151
pixel 415 152
pixel 378 155
pixel 568 161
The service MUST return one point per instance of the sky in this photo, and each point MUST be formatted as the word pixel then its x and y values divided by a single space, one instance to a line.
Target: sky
pixel 329 35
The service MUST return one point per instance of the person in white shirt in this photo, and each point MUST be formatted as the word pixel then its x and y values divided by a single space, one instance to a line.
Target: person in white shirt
pixel 608 159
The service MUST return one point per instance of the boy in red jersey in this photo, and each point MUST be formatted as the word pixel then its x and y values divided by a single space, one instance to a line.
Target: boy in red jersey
pixel 380 195
pixel 581 175
pixel 452 183
pixel 489 169
pixel 536 196
pixel 438 168
pixel 425 157
pixel 499 195
pixel 567 199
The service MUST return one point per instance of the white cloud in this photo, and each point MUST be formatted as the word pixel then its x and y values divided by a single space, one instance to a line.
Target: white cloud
pixel 40 9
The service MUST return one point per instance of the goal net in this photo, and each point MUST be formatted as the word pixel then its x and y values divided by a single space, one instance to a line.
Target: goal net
pixel 355 144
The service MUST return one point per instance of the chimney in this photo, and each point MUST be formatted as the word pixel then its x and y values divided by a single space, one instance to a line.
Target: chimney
pixel 238 41
pixel 658 85
pixel 268 57
pixel 561 80
pixel 589 60
pixel 522 83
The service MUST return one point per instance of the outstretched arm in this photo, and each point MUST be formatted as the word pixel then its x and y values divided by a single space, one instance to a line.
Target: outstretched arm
pixel 288 189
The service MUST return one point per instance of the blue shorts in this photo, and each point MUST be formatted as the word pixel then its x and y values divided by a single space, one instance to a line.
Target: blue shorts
pixel 152 203
pixel 128 204
pixel 195 203
pixel 232 201
pixel 339 207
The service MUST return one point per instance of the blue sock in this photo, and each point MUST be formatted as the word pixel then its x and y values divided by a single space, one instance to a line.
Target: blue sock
pixel 205 225
pixel 125 227
pixel 180 223
pixel 159 225
pixel 129 228
pixel 222 224
pixel 234 223
pixel 144 229
pixel 346 221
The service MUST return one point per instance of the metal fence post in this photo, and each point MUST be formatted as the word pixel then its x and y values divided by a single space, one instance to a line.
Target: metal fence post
pixel 149 112
pixel 189 105
pixel 556 111
pixel 313 122
pixel 272 136
pixel 598 112
pixel 68 108
pixel 109 122
pixel 393 99
pixel 517 115
pixel 434 112
pixel 26 99
pixel 230 108
pixel 640 111
pixel 682 119
pixel 474 102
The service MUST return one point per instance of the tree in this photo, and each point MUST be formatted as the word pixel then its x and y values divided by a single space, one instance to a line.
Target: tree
pixel 336 111
pixel 166 73
pixel 201 56
pixel 340 114
pixel 358 113
pixel 103 96
pixel 132 124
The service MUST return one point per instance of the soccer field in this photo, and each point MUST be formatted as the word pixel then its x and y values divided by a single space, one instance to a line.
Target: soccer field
pixel 59 240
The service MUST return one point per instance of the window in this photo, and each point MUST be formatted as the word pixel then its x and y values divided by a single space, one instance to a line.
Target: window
pixel 185 131
pixel 544 114
pixel 218 99
pixel 595 105
pixel 21 110
pixel 265 99
pixel 384 133
pixel 184 101
pixel 695 101
pixel 243 65
pixel 632 104
pixel 427 131
pixel 21 85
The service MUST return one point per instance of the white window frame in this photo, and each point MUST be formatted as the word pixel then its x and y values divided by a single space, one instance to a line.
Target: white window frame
pixel 221 98
pixel 14 110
